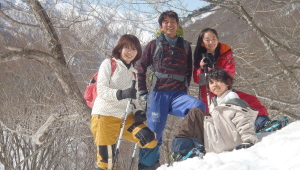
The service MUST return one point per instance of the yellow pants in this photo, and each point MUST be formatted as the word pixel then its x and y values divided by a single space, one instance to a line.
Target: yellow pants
pixel 106 129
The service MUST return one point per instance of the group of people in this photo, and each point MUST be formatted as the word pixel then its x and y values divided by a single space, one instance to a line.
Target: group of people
pixel 230 116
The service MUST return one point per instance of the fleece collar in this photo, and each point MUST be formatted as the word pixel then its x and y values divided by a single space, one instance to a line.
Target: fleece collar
pixel 122 64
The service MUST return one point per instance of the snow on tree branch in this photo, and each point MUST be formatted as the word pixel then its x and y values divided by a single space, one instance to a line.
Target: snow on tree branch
pixel 52 118
pixel 14 22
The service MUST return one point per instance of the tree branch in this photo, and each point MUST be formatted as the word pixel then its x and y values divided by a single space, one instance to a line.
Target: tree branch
pixel 14 22
pixel 266 43
pixel 47 27
pixel 40 56
pixel 13 131
pixel 52 118
pixel 238 9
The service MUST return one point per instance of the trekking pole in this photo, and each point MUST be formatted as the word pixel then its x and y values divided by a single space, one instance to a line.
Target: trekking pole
pixel 207 86
pixel 136 145
pixel 133 154
pixel 122 129
pixel 199 95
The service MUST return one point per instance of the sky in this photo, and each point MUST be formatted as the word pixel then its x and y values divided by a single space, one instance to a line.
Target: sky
pixel 195 4
pixel 279 150
pixel 189 4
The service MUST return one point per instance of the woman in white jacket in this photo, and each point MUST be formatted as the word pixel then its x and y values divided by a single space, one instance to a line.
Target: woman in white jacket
pixel 114 82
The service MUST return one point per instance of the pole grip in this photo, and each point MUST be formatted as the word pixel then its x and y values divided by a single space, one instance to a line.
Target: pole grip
pixel 133 84
pixel 205 69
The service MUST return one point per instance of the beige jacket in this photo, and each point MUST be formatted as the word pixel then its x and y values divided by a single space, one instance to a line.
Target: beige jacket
pixel 228 126
pixel 106 102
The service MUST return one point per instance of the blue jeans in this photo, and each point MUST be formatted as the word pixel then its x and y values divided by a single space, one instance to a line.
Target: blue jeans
pixel 260 122
pixel 163 103
pixel 176 103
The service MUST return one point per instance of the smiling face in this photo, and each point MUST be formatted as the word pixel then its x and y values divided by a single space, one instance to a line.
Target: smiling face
pixel 169 26
pixel 217 87
pixel 128 53
pixel 210 41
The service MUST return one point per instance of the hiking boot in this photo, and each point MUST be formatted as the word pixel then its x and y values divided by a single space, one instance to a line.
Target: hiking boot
pixel 144 167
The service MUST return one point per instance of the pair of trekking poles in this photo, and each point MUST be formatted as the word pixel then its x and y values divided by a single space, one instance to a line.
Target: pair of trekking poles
pixel 121 134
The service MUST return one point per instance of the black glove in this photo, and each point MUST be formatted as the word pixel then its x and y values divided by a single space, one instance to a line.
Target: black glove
pixel 127 93
pixel 140 116
pixel 244 145
pixel 143 95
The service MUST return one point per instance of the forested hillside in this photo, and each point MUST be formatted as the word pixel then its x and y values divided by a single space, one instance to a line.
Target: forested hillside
pixel 264 36
pixel 50 49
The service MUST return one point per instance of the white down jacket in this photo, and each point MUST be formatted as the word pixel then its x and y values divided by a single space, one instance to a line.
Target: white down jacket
pixel 228 126
pixel 106 102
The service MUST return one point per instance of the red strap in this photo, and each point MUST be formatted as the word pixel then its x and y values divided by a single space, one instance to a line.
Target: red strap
pixel 113 66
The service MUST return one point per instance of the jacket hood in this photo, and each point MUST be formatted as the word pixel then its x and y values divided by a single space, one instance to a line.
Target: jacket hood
pixel 238 102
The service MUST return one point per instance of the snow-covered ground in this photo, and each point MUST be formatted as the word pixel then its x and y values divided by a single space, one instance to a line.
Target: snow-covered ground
pixel 277 151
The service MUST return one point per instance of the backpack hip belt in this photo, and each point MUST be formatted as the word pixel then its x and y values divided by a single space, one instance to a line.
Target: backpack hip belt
pixel 158 75
pixel 163 75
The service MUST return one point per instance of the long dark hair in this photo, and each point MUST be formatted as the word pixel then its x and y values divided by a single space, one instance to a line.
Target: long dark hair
pixel 130 40
pixel 200 49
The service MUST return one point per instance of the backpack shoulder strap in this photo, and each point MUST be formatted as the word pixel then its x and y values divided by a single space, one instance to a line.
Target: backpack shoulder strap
pixel 134 74
pixel 186 44
pixel 113 66
pixel 158 45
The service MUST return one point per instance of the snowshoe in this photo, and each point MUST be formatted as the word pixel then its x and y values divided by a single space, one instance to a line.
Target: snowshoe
pixel 274 125
pixel 194 152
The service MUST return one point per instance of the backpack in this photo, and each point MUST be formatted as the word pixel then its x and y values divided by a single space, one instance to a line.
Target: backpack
pixel 90 92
